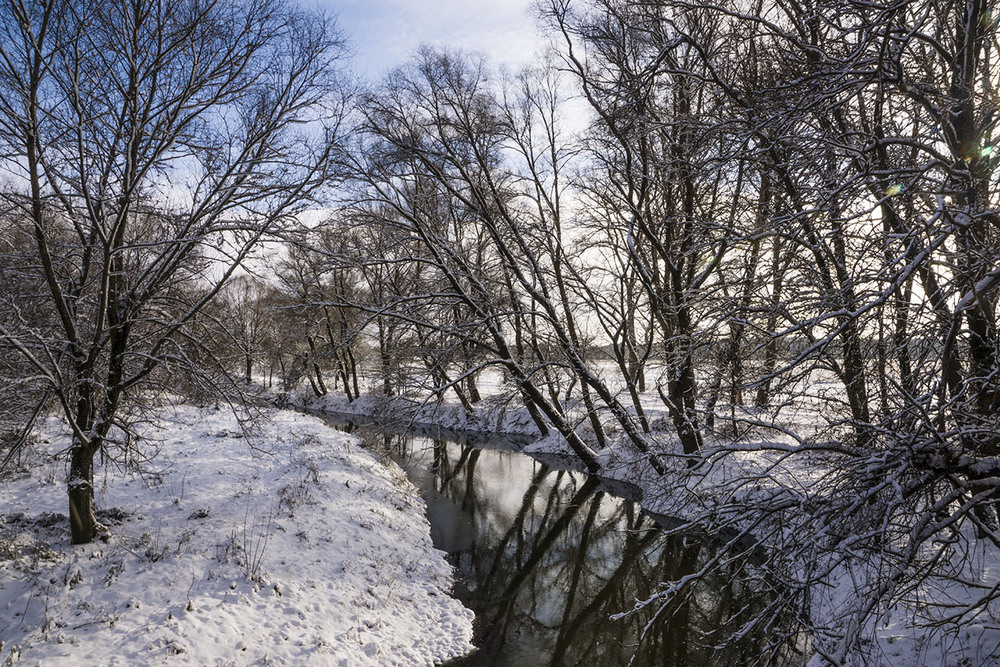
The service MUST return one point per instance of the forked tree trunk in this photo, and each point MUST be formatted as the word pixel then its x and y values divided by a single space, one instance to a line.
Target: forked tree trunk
pixel 319 387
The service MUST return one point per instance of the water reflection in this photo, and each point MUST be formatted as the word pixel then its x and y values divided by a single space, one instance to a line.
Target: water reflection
pixel 545 556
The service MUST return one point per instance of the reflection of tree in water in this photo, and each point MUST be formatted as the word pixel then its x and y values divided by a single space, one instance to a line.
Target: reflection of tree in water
pixel 545 574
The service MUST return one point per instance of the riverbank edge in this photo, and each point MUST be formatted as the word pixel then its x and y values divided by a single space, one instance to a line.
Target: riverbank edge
pixel 222 550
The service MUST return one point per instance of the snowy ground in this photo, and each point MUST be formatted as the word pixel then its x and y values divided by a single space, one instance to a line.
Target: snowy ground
pixel 294 546
pixel 495 414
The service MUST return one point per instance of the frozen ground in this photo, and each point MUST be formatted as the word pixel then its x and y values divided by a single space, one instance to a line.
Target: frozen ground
pixel 292 546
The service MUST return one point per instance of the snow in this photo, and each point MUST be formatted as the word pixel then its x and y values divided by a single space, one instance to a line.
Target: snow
pixel 495 414
pixel 287 545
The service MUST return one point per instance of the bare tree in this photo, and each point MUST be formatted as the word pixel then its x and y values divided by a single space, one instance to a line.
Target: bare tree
pixel 153 145
pixel 498 160
pixel 242 324
pixel 320 281
pixel 656 179
pixel 865 136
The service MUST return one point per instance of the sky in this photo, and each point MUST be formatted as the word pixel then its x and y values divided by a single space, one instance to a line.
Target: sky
pixel 385 33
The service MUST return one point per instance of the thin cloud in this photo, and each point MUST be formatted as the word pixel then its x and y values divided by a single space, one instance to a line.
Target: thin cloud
pixel 385 33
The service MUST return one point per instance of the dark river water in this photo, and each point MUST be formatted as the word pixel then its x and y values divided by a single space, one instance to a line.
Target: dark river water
pixel 545 555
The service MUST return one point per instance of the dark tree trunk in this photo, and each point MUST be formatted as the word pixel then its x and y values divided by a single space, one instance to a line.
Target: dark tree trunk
pixel 353 366
pixel 472 389
pixel 318 386
pixel 82 521
pixel 771 347
pixel 679 400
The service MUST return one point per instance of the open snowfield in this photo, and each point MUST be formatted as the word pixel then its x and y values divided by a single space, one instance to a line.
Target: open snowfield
pixel 292 546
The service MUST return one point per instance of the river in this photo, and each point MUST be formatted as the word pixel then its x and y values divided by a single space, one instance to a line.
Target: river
pixel 545 555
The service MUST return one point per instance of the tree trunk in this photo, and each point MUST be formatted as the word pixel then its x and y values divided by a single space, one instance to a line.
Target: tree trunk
pixel 353 366
pixel 319 387
pixel 679 400
pixel 472 389
pixel 771 347
pixel 80 485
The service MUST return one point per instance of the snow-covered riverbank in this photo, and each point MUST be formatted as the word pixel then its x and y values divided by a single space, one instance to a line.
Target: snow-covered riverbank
pixel 293 546
pixel 743 479
pixel 495 413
